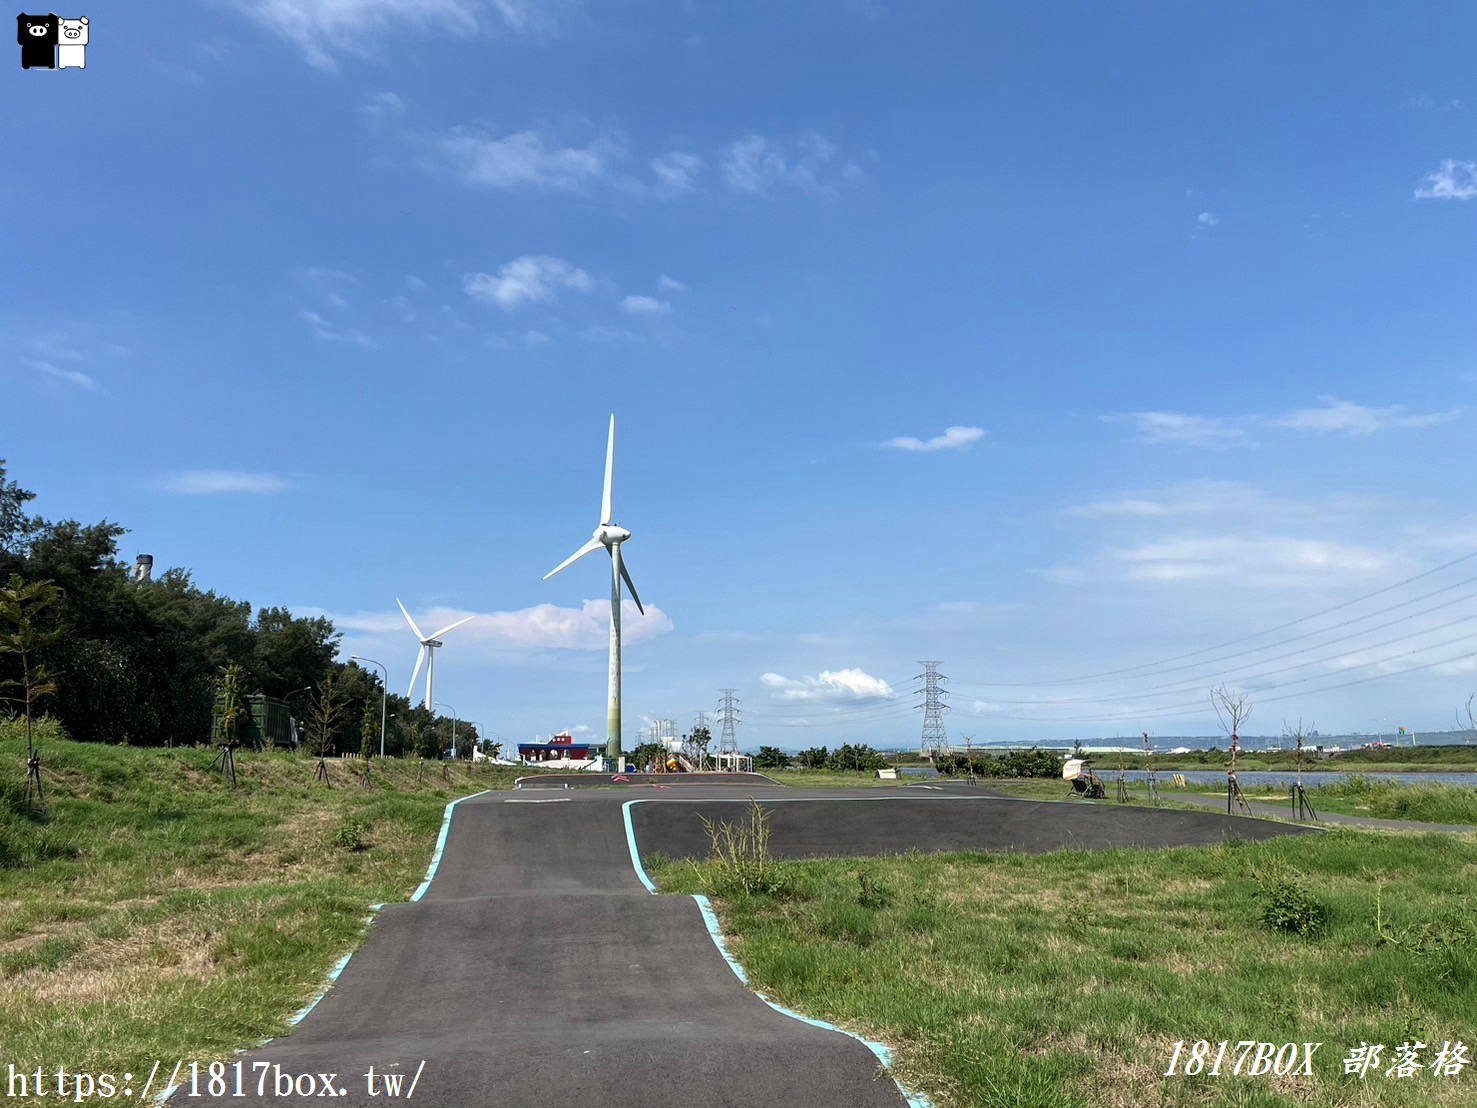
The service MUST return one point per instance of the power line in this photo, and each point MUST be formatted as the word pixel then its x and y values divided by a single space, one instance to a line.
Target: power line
pixel 1236 641
pixel 1296 638
pixel 1181 710
pixel 1176 687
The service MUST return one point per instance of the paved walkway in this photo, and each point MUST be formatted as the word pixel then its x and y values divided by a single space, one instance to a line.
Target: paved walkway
pixel 1284 811
pixel 538 971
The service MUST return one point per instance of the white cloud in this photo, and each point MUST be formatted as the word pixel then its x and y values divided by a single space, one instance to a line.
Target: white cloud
pixel 1355 419
pixel 328 333
pixel 324 274
pixel 1258 560
pixel 53 344
pixel 542 627
pixel 325 30
pixel 383 104
pixel 526 158
pixel 667 284
pixel 754 164
pixel 415 284
pixel 953 438
pixel 531 279
pixel 1427 102
pixel 1180 429
pixel 214 482
pixel 1223 499
pixel 841 684
pixel 1207 219
pixel 602 334
pixel 1453 181
pixel 645 305
pixel 677 171
pixel 71 376
pixel 535 338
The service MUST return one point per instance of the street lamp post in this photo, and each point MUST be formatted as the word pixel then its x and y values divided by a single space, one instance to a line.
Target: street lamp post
pixel 384 693
pixel 449 708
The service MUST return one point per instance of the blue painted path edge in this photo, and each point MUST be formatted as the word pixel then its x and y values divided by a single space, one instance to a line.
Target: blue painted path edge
pixel 338 967
pixel 710 919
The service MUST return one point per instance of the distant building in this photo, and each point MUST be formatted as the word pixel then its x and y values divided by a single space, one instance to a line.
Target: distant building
pixel 560 749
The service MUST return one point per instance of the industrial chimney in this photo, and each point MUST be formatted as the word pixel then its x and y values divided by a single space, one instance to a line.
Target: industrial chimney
pixel 143 567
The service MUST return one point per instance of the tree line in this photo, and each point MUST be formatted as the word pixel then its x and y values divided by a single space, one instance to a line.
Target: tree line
pixel 142 662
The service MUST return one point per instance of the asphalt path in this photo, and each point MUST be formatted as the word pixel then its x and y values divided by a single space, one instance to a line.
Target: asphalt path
pixel 538 971
pixel 870 825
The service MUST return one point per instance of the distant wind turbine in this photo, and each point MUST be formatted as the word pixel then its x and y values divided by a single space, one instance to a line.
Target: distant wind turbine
pixel 429 645
pixel 610 536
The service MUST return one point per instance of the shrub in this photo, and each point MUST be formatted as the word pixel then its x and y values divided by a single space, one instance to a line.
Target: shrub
pixel 1287 905
pixel 350 832
pixel 1011 763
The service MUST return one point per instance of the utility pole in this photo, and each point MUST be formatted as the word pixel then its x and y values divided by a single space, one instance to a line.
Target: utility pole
pixel 935 741
pixel 728 740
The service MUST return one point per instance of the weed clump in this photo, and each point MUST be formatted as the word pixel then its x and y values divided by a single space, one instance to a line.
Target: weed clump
pixel 740 857
pixel 870 892
pixel 349 833
pixel 1287 905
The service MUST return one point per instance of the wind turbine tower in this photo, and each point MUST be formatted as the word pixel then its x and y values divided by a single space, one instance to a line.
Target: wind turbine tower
pixel 610 536
pixel 429 645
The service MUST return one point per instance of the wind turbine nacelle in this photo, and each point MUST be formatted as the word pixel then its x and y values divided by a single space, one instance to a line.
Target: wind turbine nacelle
pixel 610 534
pixel 432 643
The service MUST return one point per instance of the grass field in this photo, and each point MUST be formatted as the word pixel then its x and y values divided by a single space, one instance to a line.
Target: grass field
pixel 156 912
pixel 1065 979
pixel 1354 795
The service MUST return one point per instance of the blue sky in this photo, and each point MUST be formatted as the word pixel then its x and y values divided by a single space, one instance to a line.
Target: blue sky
pixel 1045 340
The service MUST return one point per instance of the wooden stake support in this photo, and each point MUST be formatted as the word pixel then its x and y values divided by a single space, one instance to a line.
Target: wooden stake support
pixel 33 780
pixel 1233 796
pixel 225 761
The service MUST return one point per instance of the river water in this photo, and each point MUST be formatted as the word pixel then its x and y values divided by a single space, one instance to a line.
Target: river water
pixel 1311 778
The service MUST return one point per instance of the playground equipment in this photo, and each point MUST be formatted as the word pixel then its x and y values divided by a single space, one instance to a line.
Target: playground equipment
pixel 1084 782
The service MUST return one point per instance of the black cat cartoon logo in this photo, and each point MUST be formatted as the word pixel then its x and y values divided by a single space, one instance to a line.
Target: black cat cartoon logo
pixel 48 42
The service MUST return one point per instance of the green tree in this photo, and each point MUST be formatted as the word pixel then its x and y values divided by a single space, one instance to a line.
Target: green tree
pixel 647 754
pixel 290 652
pixel 16 527
pixel 701 737
pixel 327 712
pixel 369 729
pixel 814 758
pixel 771 757
pixel 858 757
pixel 20 606
pixel 230 708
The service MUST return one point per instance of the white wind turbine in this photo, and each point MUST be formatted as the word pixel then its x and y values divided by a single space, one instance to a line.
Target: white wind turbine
pixel 429 645
pixel 610 536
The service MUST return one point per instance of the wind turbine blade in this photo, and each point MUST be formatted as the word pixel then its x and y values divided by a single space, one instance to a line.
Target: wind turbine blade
pixel 410 621
pixel 626 576
pixel 452 627
pixel 609 468
pixel 420 660
pixel 593 544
